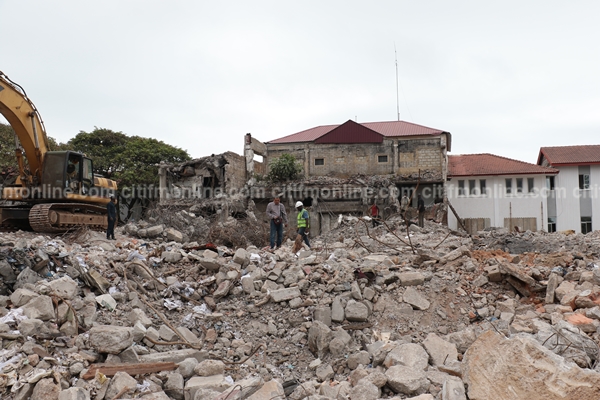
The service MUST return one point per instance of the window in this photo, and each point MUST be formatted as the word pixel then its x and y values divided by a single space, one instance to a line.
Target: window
pixel 586 224
pixel 461 188
pixel 319 161
pixel 530 188
pixel 472 188
pixel 382 159
pixel 508 185
pixel 550 182
pixel 482 187
pixel 519 185
pixel 551 224
pixel 584 181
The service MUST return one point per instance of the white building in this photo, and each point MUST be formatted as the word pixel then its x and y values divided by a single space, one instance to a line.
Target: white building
pixel 574 203
pixel 492 191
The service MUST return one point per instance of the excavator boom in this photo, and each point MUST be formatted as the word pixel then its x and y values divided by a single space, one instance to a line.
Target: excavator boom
pixel 23 116
pixel 57 190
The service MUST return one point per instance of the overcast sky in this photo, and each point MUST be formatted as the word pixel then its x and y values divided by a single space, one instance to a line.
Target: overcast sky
pixel 503 77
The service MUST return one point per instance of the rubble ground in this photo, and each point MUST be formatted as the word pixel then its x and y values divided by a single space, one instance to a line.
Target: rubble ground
pixel 368 313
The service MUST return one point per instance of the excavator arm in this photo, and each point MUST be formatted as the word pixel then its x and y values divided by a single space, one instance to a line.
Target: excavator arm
pixel 25 119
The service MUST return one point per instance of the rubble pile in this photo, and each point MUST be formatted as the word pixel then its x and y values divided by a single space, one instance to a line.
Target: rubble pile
pixel 368 313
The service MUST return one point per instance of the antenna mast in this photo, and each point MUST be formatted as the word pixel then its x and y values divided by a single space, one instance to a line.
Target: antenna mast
pixel 397 101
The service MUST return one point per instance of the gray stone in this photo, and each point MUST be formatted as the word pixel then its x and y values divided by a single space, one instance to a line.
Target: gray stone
pixel 241 257
pixel 174 385
pixel 285 294
pixel 494 274
pixel 319 337
pixel 26 276
pixel 74 393
pixel 186 367
pixel 210 264
pixel 175 356
pixel 188 335
pixel 120 381
pixel 362 357
pixel 270 390
pixel 337 310
pixel 45 389
pixel 40 307
pixel 406 380
pixel 110 339
pixel 167 334
pixel 323 314
pixel 173 235
pixel 410 355
pixel 553 281
pixel 324 372
pixel 210 367
pixel 415 299
pixel 171 256
pixel 439 350
pixel 64 287
pixel 364 390
pixel 222 289
pixel 6 272
pixel 214 382
pixel 22 296
pixel 355 291
pixel 411 278
pixel 356 312
pixel 161 396
pixel 248 284
pixel 29 327
pixel 453 389
pixel 152 231
pixel 137 315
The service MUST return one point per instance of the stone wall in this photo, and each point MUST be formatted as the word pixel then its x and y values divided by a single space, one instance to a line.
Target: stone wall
pixel 392 156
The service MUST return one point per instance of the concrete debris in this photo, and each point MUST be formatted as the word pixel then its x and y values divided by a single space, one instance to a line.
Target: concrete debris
pixel 369 313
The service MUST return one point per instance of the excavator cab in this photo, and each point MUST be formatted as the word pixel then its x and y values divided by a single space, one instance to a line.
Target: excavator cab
pixel 67 173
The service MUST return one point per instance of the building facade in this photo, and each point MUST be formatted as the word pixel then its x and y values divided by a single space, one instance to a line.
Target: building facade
pixel 492 191
pixel 574 203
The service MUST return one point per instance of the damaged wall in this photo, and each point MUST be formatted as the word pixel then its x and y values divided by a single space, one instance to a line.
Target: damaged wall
pixel 254 147
pixel 204 177
pixel 402 157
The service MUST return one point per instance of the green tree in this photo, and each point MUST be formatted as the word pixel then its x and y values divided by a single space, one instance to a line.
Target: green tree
pixel 284 168
pixel 130 160
pixel 7 147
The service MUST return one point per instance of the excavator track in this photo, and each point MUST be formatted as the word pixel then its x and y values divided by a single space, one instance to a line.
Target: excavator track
pixel 60 217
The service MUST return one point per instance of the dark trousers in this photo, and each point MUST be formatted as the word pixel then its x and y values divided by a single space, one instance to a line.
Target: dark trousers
pixel 302 232
pixel 375 220
pixel 110 231
pixel 421 219
pixel 276 235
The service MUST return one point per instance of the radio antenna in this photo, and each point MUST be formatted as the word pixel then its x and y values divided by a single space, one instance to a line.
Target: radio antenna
pixel 397 97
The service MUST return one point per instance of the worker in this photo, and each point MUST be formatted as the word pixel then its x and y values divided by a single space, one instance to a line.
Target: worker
pixel 374 211
pixel 112 218
pixel 404 205
pixel 303 222
pixel 421 210
pixel 278 219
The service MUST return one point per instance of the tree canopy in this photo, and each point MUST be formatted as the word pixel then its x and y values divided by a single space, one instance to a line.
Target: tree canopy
pixel 130 160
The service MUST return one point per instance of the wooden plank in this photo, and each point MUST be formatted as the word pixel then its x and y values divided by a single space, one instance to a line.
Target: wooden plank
pixel 131 369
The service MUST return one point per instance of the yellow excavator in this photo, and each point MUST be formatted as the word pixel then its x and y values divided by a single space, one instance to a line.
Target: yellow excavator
pixel 56 190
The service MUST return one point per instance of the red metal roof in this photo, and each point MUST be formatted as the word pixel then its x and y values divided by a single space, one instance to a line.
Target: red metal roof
pixel 570 155
pixel 387 129
pixel 350 132
pixel 490 164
